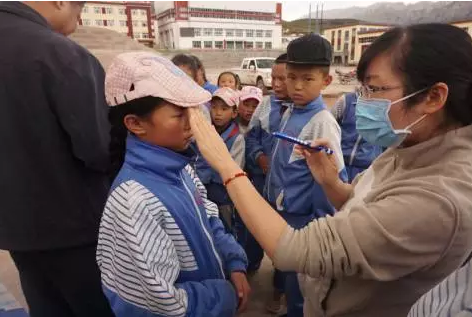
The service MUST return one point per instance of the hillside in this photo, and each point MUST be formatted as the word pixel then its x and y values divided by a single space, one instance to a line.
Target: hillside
pixel 401 13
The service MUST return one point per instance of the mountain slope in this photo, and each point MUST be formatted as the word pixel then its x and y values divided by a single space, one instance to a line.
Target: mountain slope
pixel 401 13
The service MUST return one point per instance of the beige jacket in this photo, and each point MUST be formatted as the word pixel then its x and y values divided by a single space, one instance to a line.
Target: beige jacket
pixel 407 225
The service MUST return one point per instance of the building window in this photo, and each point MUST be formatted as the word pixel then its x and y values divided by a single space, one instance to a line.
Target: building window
pixel 197 32
pixel 219 44
pixel 259 33
pixel 122 11
pixel 86 22
pixel 109 10
pixel 134 12
pixel 144 24
pixel 99 22
pixel 207 32
pixel 239 45
pixel 196 44
pixel 249 33
pixel 218 32
pixel 122 23
pixel 143 12
pixel 145 36
pixel 268 45
pixel 96 10
pixel 249 45
pixel 207 44
pixel 259 45
pixel 352 52
pixel 353 32
pixel 239 33
pixel 230 32
pixel 346 35
pixel 85 9
pixel 111 22
pixel 268 33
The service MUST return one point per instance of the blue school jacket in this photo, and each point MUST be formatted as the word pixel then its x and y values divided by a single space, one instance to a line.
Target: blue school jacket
pixel 162 249
pixel 290 186
pixel 235 143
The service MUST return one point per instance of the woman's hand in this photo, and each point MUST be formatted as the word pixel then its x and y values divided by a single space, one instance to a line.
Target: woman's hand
pixel 322 166
pixel 211 145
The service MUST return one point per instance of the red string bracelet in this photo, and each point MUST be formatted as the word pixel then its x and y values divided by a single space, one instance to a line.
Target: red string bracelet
pixel 229 180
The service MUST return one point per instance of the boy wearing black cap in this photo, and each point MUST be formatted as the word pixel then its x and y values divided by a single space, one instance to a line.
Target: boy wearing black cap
pixel 290 187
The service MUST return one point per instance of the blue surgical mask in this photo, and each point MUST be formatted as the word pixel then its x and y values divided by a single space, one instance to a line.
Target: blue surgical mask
pixel 374 125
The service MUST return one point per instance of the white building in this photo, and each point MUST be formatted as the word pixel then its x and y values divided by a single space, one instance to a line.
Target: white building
pixel 218 25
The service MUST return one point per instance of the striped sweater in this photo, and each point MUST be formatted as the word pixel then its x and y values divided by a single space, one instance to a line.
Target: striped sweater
pixel 162 249
pixel 451 298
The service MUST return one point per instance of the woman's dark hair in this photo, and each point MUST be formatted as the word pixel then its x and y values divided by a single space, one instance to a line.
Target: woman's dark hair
pixel 236 79
pixel 141 107
pixel 426 54
pixel 200 66
pixel 186 60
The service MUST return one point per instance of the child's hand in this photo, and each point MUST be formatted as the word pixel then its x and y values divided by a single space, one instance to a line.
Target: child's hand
pixel 263 162
pixel 243 289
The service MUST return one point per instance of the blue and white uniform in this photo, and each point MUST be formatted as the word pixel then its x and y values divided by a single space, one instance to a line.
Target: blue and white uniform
pixel 162 248
pixel 290 187
pixel 259 140
pixel 357 153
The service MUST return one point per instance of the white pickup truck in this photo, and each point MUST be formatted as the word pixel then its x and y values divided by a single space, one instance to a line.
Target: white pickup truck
pixel 256 71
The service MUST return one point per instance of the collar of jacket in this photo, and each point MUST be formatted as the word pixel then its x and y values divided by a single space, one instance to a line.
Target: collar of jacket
pixel 155 159
pixel 316 104
pixel 24 11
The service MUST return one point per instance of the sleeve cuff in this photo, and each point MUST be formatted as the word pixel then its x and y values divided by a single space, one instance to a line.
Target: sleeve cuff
pixel 237 266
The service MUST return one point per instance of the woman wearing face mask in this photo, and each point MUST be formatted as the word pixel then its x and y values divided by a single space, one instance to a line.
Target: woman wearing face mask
pixel 406 222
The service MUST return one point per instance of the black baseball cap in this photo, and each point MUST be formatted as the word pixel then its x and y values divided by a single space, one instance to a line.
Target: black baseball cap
pixel 310 49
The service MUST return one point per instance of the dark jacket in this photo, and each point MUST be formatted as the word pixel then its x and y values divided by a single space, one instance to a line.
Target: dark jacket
pixel 54 134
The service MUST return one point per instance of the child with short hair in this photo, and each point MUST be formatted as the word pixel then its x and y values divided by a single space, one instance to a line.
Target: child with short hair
pixel 223 110
pixel 291 188
pixel 162 249
pixel 229 80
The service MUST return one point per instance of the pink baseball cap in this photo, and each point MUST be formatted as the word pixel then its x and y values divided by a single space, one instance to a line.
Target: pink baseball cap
pixel 135 75
pixel 228 95
pixel 251 92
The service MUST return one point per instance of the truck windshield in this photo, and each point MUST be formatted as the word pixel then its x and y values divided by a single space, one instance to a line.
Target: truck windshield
pixel 264 63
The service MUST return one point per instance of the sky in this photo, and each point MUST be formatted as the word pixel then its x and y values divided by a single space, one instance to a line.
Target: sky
pixel 292 10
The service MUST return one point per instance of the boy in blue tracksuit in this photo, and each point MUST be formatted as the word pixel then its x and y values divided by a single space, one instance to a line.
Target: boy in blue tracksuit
pixel 162 249
pixel 357 153
pixel 223 110
pixel 291 188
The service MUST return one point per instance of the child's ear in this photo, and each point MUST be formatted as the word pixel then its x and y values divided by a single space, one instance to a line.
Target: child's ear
pixel 327 80
pixel 134 124
pixel 235 113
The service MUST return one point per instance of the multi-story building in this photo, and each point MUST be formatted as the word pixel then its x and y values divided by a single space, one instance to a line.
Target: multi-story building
pixel 345 40
pixel 218 25
pixel 130 18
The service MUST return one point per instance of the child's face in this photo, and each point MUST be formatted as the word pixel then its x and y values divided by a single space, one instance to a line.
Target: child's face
pixel 188 70
pixel 246 109
pixel 167 126
pixel 221 113
pixel 304 84
pixel 227 80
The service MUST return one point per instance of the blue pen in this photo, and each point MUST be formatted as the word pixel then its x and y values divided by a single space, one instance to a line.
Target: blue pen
pixel 307 144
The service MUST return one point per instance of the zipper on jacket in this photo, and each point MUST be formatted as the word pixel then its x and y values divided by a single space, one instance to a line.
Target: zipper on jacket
pixel 203 226
pixel 275 151
pixel 354 150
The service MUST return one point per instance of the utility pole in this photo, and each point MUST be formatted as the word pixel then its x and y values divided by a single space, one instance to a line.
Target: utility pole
pixel 309 18
pixel 321 20
pixel 316 20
